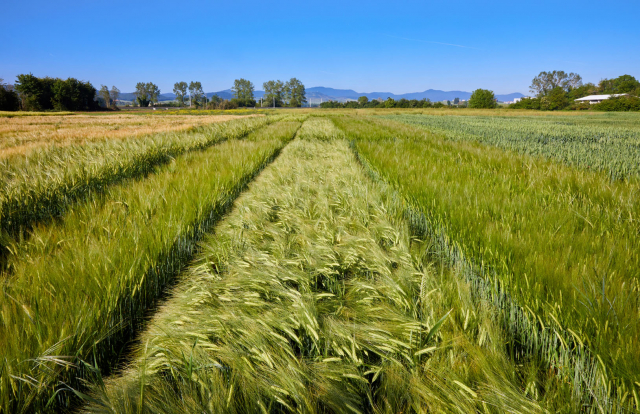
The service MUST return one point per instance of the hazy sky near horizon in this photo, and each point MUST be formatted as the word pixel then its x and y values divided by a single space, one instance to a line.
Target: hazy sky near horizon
pixel 368 46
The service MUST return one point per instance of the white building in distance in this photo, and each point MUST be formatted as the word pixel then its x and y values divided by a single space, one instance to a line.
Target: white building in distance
pixel 594 99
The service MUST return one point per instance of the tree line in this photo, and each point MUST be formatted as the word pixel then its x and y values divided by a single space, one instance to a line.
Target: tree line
pixel 553 90
pixel 480 98
pixel 556 90
pixel 31 93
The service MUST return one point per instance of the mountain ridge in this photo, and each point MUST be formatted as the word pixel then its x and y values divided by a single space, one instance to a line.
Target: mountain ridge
pixel 321 93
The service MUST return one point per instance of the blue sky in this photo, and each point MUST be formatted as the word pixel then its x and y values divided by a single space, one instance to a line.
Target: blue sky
pixel 390 46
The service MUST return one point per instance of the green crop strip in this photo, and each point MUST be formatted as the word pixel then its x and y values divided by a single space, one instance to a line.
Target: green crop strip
pixel 81 286
pixel 311 297
pixel 42 185
pixel 562 243
pixel 596 145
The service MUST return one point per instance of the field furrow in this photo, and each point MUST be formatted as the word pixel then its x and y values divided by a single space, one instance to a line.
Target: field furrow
pixel 79 287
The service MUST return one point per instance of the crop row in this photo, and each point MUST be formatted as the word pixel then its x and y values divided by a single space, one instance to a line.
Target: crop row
pixel 43 184
pixel 80 287
pixel 559 243
pixel 311 297
pixel 595 146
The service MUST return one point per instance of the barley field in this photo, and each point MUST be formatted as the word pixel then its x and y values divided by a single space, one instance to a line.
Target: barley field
pixel 20 135
pixel 321 261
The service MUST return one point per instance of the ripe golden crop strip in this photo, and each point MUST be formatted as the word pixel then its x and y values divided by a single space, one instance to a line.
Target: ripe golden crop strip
pixel 21 135
pixel 44 184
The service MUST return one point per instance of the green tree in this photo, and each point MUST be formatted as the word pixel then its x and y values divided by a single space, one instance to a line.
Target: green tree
pixel 71 95
pixel 482 98
pixel 154 92
pixel 104 95
pixel 363 100
pixel 243 92
pixel 180 90
pixel 554 100
pixel 195 93
pixel 8 97
pixel 545 82
pixel 456 101
pixel 146 93
pixel 141 94
pixel 32 92
pixel 389 103
pixel 582 91
pixel 273 93
pixel 114 94
pixel 621 84
pixel 296 94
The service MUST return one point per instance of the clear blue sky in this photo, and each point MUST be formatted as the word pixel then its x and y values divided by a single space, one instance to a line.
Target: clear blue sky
pixel 390 46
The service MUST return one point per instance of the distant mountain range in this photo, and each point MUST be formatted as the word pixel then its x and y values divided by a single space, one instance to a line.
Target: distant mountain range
pixel 320 93
pixel 434 95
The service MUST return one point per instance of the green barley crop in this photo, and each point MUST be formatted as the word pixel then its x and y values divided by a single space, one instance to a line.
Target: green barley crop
pixel 413 272
pixel 597 146
pixel 311 297
pixel 80 287
pixel 561 243
pixel 319 128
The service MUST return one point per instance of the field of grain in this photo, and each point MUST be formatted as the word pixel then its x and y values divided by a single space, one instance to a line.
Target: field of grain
pixel 22 134
pixel 326 262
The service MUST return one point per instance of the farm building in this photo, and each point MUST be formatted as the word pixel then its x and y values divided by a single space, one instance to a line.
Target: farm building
pixel 594 99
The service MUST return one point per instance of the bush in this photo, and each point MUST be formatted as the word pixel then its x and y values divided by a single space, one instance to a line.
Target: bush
pixel 482 98
pixel 245 103
pixel 621 103
pixel 582 106
pixel 526 103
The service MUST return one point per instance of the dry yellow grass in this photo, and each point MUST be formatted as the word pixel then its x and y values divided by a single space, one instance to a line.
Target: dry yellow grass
pixel 20 135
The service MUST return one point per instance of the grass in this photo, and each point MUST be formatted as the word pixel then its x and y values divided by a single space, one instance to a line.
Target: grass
pixel 44 184
pixel 311 297
pixel 24 134
pixel 560 242
pixel 80 287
